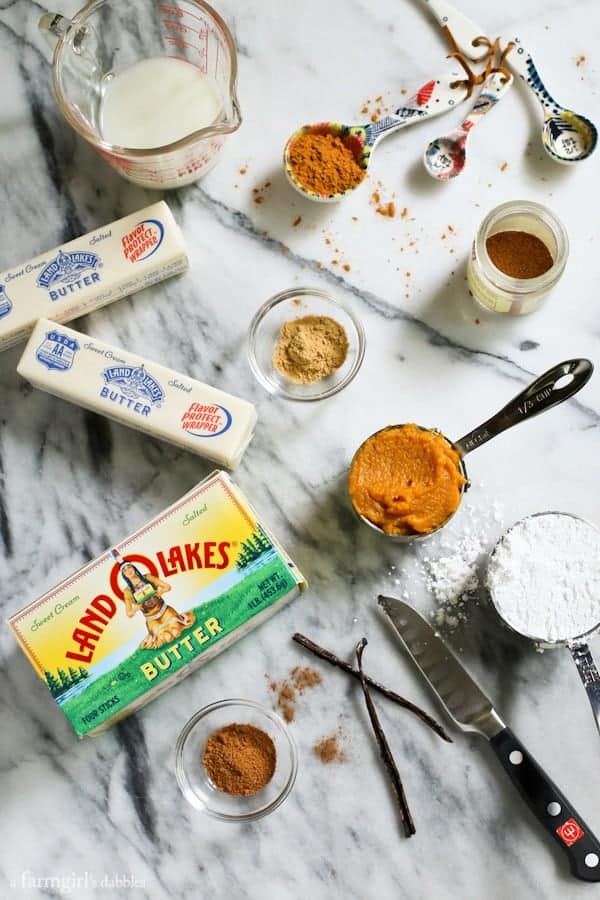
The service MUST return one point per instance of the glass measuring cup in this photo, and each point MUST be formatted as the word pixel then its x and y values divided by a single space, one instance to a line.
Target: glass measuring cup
pixel 557 384
pixel 107 37
pixel 576 643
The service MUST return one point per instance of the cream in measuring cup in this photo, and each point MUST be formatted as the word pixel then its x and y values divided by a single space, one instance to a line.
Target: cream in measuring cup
pixel 155 102
pixel 543 578
pixel 151 85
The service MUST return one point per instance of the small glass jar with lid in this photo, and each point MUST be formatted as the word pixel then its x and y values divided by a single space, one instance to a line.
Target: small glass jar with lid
pixel 494 289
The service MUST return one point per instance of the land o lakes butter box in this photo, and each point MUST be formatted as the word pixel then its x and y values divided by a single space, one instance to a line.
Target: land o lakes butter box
pixel 156 606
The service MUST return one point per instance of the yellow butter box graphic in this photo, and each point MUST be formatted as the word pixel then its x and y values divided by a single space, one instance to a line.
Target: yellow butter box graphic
pixel 157 605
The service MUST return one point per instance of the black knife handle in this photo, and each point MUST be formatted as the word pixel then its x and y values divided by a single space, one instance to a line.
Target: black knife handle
pixel 549 806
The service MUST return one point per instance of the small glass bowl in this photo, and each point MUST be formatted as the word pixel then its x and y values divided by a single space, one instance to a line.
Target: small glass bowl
pixel 197 787
pixel 264 333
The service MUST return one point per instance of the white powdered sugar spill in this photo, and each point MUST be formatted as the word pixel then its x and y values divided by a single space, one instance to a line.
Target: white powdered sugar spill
pixel 453 580
pixel 452 574
pixel 544 577
pixel 449 567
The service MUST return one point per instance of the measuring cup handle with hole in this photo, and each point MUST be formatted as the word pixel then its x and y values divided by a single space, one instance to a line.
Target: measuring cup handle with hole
pixel 550 389
pixel 589 675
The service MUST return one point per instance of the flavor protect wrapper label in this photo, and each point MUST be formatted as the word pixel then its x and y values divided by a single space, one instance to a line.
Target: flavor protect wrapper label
pixel 155 606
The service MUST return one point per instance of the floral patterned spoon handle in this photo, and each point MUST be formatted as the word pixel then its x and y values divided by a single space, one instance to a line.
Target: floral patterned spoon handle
pixel 568 137
pixel 445 157
pixel 432 99
pixel 437 96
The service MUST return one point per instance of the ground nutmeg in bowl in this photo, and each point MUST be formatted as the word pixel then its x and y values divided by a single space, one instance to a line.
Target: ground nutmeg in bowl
pixel 239 759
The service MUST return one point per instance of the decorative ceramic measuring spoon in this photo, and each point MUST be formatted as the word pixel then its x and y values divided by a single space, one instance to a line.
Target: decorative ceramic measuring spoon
pixel 435 97
pixel 445 157
pixel 464 31
pixel 568 137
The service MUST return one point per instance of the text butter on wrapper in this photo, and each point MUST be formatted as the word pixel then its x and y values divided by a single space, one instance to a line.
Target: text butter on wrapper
pixel 159 604
pixel 138 393
pixel 91 271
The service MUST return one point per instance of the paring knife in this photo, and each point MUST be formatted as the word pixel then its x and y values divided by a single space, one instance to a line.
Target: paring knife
pixel 466 703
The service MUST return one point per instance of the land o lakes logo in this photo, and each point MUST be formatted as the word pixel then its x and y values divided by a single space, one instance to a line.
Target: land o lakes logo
pixel 68 270
pixel 57 351
pixel 5 302
pixel 132 387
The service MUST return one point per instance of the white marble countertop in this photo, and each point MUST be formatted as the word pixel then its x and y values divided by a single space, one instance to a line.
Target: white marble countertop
pixel 72 483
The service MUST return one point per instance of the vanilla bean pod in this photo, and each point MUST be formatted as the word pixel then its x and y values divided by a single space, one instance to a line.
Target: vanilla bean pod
pixel 330 657
pixel 384 748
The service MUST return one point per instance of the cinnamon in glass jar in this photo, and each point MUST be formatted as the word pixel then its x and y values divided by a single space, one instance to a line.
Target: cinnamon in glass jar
pixel 518 256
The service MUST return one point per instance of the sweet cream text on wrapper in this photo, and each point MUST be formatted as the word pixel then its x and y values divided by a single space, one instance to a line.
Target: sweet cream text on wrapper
pixel 155 606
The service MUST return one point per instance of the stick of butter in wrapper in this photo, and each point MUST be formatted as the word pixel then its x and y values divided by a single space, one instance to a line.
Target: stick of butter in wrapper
pixel 91 271
pixel 154 607
pixel 138 393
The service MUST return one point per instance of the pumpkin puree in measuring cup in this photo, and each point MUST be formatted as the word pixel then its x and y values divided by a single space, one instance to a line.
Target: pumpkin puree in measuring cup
pixel 406 480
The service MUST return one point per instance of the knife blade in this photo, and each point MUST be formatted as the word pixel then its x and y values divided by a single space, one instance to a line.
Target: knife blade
pixel 472 710
pixel 462 697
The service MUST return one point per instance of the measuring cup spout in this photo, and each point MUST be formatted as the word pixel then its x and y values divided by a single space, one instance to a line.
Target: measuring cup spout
pixel 233 118
pixel 589 676
pixel 557 384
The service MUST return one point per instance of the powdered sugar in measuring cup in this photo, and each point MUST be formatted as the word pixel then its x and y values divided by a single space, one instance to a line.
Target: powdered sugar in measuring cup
pixel 544 581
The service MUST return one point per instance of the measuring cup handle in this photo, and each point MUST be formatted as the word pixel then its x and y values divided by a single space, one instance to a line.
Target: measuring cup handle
pixel 53 26
pixel 544 393
pixel 589 676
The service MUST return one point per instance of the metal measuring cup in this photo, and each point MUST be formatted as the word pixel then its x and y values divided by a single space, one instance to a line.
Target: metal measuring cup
pixel 557 384
pixel 576 644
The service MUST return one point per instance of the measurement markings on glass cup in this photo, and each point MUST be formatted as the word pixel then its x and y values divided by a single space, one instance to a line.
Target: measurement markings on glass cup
pixel 168 10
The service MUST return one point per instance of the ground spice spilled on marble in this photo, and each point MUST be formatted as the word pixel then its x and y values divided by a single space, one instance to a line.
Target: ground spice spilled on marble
pixel 287 691
pixel 330 749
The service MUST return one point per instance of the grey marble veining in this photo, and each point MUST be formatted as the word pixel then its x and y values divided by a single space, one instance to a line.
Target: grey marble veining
pixel 72 483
